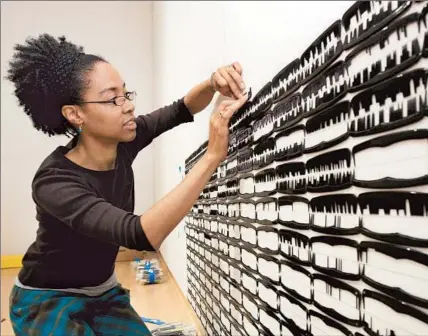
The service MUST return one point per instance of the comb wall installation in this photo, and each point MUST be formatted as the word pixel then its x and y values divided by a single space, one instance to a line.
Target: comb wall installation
pixel 317 221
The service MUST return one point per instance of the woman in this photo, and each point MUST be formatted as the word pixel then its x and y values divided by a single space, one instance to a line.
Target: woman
pixel 84 191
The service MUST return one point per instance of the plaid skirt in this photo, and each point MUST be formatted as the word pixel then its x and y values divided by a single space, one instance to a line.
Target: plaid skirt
pixel 56 313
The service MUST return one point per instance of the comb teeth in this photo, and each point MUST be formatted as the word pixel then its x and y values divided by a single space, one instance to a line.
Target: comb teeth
pixel 286 80
pixel 387 52
pixel 325 89
pixel 366 18
pixel 397 102
pixel 321 53
pixel 263 127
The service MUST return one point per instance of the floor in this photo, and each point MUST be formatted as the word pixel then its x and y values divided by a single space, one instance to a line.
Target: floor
pixel 164 301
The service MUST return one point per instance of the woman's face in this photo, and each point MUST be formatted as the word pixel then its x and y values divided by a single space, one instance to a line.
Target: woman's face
pixel 107 121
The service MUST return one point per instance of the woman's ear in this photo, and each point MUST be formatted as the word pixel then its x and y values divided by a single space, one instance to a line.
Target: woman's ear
pixel 72 114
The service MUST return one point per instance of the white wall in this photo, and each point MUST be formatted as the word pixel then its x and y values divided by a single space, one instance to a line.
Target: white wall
pixel 192 39
pixel 121 32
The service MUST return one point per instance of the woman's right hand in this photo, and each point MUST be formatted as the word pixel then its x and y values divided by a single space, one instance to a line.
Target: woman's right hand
pixel 218 141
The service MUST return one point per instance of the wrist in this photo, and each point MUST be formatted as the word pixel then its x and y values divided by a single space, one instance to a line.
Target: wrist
pixel 211 161
pixel 210 83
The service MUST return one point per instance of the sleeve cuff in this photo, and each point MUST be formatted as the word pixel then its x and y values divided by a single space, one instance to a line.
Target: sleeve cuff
pixel 184 114
pixel 143 244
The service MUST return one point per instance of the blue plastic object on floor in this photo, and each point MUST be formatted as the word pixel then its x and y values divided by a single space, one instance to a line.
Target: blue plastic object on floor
pixel 152 321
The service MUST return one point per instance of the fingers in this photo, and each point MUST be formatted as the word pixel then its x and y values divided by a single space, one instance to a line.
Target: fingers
pixel 236 75
pixel 222 84
pixel 228 81
pixel 226 73
pixel 234 106
pixel 237 67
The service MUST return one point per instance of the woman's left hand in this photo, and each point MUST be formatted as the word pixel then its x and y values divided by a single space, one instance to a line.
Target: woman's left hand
pixel 228 81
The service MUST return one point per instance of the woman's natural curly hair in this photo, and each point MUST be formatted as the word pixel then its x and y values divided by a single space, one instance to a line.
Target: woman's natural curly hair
pixel 49 73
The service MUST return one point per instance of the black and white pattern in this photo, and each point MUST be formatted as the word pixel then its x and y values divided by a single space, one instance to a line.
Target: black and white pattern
pixel 424 21
pixel 249 282
pixel 392 161
pixel 291 178
pixel 288 329
pixel 236 294
pixel 336 256
pixel 335 214
pixel 246 185
pixel 265 182
pixel 245 160
pixel 222 190
pixel 268 239
pixel 266 210
pixel 250 326
pixel 234 252
pixel 213 191
pixel 222 209
pixel 250 306
pixel 386 53
pixel 328 128
pixel 263 127
pixel 395 217
pixel 264 153
pixel 248 235
pixel 293 312
pixel 234 231
pixel 233 144
pixel 287 112
pixel 321 53
pixel 232 166
pixel 244 137
pixel 399 272
pixel 242 117
pixel 249 260
pixel 286 81
pixel 235 272
pixel 236 314
pixel 379 310
pixel 289 144
pixel 397 102
pixel 316 222
pixel 269 321
pixel 223 248
pixel 364 18
pixel 247 208
pixel 294 212
pixel 267 293
pixel 296 281
pixel 221 171
pixel 325 90
pixel 262 101
pixel 321 325
pixel 329 171
pixel 268 268
pixel 337 299
pixel 232 188
pixel 295 246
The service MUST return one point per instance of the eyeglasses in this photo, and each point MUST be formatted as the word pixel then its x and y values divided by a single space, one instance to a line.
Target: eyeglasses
pixel 118 101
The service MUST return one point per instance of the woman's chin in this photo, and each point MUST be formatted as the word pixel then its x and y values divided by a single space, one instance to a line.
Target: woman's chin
pixel 129 136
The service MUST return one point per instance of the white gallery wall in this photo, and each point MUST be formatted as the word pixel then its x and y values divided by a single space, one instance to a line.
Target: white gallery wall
pixel 119 31
pixel 192 39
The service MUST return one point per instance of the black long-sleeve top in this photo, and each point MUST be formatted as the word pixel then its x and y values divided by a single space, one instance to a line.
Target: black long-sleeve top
pixel 85 215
